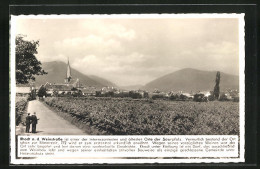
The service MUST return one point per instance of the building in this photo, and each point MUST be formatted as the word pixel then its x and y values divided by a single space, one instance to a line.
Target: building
pixel 24 89
pixel 70 85
pixel 89 91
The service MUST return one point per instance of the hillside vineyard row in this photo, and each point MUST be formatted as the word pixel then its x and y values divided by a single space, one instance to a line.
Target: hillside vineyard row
pixel 119 116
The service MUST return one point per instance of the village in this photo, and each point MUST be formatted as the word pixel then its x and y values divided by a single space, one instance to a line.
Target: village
pixel 71 91
pixel 73 88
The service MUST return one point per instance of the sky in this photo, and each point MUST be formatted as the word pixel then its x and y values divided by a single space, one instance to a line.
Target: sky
pixel 135 51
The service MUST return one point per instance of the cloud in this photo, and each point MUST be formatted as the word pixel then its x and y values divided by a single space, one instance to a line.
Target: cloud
pixel 108 29
pixel 136 51
pixel 91 44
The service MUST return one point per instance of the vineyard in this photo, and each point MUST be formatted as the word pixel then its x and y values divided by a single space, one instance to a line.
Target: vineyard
pixel 20 107
pixel 119 116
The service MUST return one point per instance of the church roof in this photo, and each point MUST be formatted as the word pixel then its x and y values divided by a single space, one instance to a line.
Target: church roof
pixel 58 87
pixel 67 86
pixel 62 87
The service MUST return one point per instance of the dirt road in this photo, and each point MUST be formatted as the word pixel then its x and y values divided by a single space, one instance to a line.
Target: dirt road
pixel 50 123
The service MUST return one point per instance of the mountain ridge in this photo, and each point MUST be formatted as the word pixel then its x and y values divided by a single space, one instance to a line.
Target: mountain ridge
pixel 190 79
pixel 186 80
pixel 57 72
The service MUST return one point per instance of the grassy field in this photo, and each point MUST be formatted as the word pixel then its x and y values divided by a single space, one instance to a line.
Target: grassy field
pixel 119 116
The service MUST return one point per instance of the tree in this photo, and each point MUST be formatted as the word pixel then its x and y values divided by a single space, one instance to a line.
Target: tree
pixel 198 97
pixel 146 94
pixel 74 89
pixel 55 93
pixel 216 88
pixel 42 91
pixel 27 65
pixel 223 97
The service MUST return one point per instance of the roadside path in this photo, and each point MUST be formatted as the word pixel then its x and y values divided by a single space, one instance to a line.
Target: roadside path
pixel 50 123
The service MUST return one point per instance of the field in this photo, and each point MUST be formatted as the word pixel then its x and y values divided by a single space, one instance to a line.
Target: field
pixel 119 116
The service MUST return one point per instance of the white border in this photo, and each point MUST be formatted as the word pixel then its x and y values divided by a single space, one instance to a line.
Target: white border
pixel 242 85
pixel 12 89
pixel 129 161
pixel 133 16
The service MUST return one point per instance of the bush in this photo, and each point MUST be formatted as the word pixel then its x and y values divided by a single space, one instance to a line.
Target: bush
pixel 77 93
pixel 136 96
pixel 42 91
pixel 211 98
pixel 157 96
pixel 109 94
pixel 121 94
pixel 200 97
pixel 183 97
pixel 98 93
pixel 173 97
pixel 55 93
pixel 146 95
pixel 20 107
pixel 236 99
pixel 223 97
pixel 62 94
pixel 32 95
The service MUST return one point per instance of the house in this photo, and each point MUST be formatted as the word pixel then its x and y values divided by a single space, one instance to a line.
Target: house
pixel 89 91
pixel 23 91
pixel 108 89
pixel 206 93
pixel 188 95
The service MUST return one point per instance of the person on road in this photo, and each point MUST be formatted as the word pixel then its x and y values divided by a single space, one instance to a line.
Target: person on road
pixel 34 122
pixel 28 123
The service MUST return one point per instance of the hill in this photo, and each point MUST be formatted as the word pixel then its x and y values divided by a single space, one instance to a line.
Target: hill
pixel 102 81
pixel 131 87
pixel 57 72
pixel 188 80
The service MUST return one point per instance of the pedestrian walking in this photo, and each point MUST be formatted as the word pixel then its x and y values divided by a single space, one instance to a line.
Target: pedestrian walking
pixel 34 122
pixel 28 123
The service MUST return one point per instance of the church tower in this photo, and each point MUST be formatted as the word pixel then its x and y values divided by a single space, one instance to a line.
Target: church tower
pixel 68 73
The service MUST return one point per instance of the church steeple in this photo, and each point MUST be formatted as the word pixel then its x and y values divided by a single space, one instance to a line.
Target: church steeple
pixel 68 70
pixel 68 74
